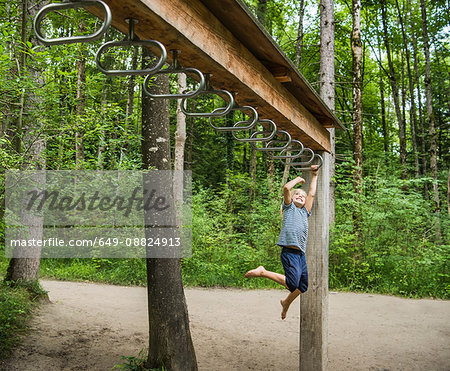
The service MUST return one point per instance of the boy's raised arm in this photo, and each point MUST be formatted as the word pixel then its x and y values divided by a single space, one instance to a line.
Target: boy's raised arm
pixel 312 188
pixel 287 189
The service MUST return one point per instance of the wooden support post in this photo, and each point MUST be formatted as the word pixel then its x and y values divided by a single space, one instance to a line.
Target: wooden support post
pixel 314 303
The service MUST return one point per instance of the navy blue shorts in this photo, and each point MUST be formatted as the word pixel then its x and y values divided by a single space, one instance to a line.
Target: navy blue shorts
pixel 295 270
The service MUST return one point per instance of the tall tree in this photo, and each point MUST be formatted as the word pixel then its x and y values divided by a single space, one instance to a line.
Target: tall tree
pixel 394 87
pixel 180 141
pixel 170 343
pixel 299 42
pixel 383 105
pixel 326 80
pixel 412 121
pixel 261 11
pixel 81 100
pixel 30 123
pixel 356 45
pixel 422 136
pixel 429 102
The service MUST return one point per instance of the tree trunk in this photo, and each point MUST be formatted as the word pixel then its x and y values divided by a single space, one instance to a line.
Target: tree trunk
pixel 448 192
pixel 81 83
pixel 190 140
pixel 180 140
pixel 357 107
pixel 252 171
pixel 430 114
pixel 357 94
pixel 326 82
pixel 422 136
pixel 383 105
pixel 271 173
pixel 394 86
pixel 412 110
pixel 130 87
pixel 170 343
pixel 261 11
pixel 130 104
pixel 27 268
pixel 383 120
pixel 299 43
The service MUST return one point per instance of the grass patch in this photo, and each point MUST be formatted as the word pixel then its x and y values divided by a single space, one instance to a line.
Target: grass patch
pixel 16 305
pixel 129 272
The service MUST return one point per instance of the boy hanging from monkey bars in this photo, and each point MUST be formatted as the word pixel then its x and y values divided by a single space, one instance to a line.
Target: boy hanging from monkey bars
pixel 293 237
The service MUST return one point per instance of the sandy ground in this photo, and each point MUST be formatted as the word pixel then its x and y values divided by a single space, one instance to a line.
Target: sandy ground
pixel 89 326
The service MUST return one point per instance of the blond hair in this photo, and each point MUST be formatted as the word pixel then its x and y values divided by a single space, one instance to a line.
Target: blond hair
pixel 294 191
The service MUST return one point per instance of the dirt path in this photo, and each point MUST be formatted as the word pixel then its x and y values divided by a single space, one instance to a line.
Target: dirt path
pixel 89 327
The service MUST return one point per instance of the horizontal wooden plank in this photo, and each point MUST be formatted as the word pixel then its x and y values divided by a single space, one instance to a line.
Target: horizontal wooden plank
pixel 242 23
pixel 206 43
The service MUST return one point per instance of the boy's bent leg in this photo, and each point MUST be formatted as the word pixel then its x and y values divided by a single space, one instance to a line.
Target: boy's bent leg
pixel 262 272
pixel 285 303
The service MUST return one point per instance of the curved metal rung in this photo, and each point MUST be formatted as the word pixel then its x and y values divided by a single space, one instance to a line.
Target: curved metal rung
pixel 254 138
pixel 290 148
pixel 316 155
pixel 301 154
pixel 249 125
pixel 267 148
pixel 71 5
pixel 131 42
pixel 175 69
pixel 222 111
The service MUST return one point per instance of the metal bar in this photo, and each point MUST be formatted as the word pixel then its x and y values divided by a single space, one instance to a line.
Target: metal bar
pixel 251 122
pixel 143 43
pixel 316 155
pixel 132 41
pixel 175 69
pixel 218 112
pixel 289 149
pixel 287 143
pixel 254 137
pixel 302 154
pixel 37 23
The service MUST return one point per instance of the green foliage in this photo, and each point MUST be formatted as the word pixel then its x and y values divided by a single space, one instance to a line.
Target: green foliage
pixel 397 250
pixel 114 271
pixel 16 304
pixel 232 235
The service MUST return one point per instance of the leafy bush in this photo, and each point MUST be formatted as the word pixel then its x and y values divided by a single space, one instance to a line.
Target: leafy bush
pixel 397 249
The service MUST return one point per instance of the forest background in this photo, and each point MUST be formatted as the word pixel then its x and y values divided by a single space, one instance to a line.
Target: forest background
pixel 390 231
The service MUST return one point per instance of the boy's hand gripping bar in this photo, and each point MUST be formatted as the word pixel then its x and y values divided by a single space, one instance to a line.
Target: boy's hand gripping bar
pixel 295 165
pixel 69 4
pixel 133 41
pixel 175 69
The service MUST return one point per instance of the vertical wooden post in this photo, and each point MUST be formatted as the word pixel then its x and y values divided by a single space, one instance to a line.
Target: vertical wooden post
pixel 314 303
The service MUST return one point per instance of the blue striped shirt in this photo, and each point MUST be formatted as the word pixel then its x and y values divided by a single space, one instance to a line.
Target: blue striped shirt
pixel 294 231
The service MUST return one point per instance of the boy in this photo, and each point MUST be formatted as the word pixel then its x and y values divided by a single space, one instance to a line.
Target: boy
pixel 297 207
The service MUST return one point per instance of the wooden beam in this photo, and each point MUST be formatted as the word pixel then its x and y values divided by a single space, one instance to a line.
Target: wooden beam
pixel 314 303
pixel 280 73
pixel 238 18
pixel 206 44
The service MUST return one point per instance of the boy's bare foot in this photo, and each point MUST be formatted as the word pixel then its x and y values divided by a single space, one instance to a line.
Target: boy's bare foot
pixel 255 272
pixel 285 307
